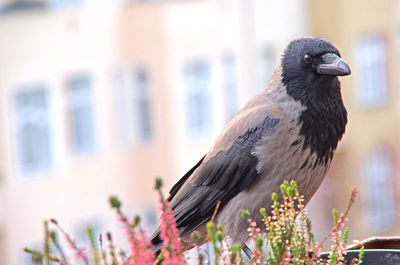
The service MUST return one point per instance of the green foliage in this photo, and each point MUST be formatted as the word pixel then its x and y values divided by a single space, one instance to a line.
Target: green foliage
pixel 158 184
pixel 195 236
pixel 245 214
pixel 136 220
pixel 345 235
pixel 360 256
pixel 94 250
pixel 335 216
pixel 46 246
pixel 220 234
pixel 287 238
pixel 37 256
pixel 159 258
pixel 289 230
pixel 212 236
pixel 115 202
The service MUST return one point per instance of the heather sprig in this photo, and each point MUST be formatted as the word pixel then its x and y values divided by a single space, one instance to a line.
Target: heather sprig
pixel 288 228
pixel 212 237
pixel 338 246
pixel 38 257
pixel 79 252
pixel 236 254
pixel 94 250
pixel 46 246
pixel 287 237
pixel 103 254
pixel 140 245
pixel 56 243
pixel 255 235
pixel 111 249
pixel 171 248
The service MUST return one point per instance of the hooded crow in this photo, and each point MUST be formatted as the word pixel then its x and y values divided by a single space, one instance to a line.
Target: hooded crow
pixel 289 131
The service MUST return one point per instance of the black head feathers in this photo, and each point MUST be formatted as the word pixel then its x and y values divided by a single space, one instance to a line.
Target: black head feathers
pixel 314 63
pixel 312 46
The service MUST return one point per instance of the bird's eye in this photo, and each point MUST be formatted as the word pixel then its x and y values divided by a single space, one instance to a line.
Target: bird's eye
pixel 307 58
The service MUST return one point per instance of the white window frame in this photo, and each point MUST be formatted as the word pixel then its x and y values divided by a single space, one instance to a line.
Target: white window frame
pixel 193 88
pixel 57 4
pixel 371 70
pixel 46 117
pixel 76 101
pixel 140 98
pixel 122 107
pixel 126 105
pixel 379 198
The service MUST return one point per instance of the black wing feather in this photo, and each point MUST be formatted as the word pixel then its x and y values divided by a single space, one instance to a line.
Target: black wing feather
pixel 220 178
pixel 179 184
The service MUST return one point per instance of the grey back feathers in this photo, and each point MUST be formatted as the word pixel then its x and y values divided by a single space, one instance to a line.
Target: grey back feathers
pixel 288 131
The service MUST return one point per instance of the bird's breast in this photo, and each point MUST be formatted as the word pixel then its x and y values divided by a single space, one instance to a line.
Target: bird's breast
pixel 281 156
pixel 284 156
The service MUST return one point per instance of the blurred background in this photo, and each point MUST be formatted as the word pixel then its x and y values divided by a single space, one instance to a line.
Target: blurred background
pixel 100 97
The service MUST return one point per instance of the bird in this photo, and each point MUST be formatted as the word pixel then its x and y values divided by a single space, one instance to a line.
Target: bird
pixel 288 131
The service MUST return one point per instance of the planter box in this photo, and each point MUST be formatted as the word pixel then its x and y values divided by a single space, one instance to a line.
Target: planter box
pixel 377 250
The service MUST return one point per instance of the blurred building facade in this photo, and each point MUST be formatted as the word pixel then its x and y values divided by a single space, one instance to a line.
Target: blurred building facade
pixel 99 98
pixel 367 36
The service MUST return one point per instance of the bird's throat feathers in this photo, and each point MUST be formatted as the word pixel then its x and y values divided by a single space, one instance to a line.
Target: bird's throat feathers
pixel 324 117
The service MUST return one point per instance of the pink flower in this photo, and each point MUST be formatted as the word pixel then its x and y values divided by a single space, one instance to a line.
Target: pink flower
pixel 173 254
pixel 140 245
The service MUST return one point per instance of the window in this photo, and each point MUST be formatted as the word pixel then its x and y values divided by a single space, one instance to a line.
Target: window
pixel 379 196
pixel 230 86
pixel 132 105
pixel 198 98
pixel 81 114
pixel 15 6
pixel 141 87
pixel 123 113
pixel 33 130
pixel 370 54
pixel 64 3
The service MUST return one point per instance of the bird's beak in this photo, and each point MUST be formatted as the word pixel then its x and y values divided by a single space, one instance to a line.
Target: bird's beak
pixel 332 65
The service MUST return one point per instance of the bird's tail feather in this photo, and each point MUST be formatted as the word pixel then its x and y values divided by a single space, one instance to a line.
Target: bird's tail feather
pixel 157 242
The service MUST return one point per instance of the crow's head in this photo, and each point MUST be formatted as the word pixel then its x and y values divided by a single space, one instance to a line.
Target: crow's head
pixel 310 67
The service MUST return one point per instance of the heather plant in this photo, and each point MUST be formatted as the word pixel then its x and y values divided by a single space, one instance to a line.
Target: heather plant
pixel 289 231
pixel 285 239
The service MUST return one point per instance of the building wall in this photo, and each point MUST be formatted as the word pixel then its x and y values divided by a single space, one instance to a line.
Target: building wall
pixel 371 126
pixel 49 46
